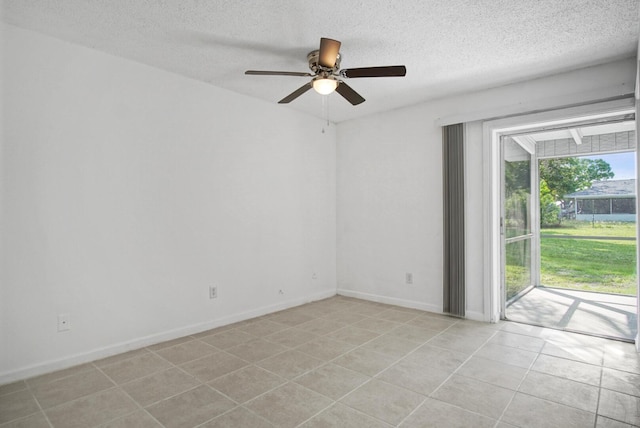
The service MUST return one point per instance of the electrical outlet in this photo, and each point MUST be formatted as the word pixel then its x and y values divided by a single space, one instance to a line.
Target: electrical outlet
pixel 280 291
pixel 64 322
pixel 408 278
pixel 213 292
pixel 314 276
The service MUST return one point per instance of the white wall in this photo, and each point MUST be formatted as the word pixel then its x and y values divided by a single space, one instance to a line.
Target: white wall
pixel 389 186
pixel 128 191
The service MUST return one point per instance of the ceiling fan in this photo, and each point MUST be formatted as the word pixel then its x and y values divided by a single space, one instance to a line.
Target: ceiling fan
pixel 326 76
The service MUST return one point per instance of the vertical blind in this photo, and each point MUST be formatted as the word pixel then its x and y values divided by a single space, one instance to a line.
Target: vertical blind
pixel 453 180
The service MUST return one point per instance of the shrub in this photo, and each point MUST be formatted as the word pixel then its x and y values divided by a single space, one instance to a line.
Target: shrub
pixel 549 211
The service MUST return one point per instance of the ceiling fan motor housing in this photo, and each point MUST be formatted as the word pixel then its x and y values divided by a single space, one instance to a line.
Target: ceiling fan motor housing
pixel 313 59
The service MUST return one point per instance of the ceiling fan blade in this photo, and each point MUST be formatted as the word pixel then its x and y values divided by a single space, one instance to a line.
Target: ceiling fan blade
pixel 388 71
pixel 329 50
pixel 295 94
pixel 349 94
pixel 277 73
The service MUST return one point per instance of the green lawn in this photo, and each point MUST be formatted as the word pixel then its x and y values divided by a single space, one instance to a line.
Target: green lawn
pixel 586 228
pixel 607 266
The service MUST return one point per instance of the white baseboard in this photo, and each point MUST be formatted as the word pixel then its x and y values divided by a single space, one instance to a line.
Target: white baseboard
pixel 391 300
pixel 471 315
pixel 476 316
pixel 118 348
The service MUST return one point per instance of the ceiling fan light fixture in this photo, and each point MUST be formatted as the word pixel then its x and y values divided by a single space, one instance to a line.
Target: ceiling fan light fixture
pixel 325 86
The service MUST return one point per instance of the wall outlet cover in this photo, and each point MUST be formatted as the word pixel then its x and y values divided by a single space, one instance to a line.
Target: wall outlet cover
pixel 64 322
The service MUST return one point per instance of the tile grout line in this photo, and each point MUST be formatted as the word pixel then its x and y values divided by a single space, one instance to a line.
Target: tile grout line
pixel 499 419
pixel 202 383
pixel 172 366
pixel 374 377
pixel 612 390
pixel 292 380
pixel 595 422
pixel 428 396
pixel 517 390
pixel 140 407
pixel 157 355
pixel 326 363
pixel 276 374
pixel 206 383
pixel 336 402
pixel 530 369
pixel 46 417
pixel 237 403
pixel 371 378
pixel 231 410
pixel 112 387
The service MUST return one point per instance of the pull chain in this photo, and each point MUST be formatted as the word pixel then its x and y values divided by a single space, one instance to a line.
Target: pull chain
pixel 325 110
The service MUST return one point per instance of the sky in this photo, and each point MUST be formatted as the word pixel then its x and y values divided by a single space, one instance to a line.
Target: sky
pixel 623 165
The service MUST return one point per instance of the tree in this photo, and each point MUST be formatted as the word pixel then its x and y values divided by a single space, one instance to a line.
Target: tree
pixel 549 210
pixel 567 175
pixel 517 176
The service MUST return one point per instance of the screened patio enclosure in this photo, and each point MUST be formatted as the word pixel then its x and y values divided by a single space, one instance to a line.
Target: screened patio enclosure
pixel 609 200
pixel 526 297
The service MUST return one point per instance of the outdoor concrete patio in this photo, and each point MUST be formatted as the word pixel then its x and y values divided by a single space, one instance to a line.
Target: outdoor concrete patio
pixel 607 315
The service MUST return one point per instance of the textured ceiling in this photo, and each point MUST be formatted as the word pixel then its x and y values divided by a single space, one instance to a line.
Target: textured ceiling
pixel 448 46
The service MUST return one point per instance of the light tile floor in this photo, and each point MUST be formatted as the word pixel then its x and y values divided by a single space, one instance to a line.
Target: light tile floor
pixel 343 362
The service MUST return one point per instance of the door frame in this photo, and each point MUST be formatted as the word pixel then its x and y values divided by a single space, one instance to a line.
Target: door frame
pixel 493 130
